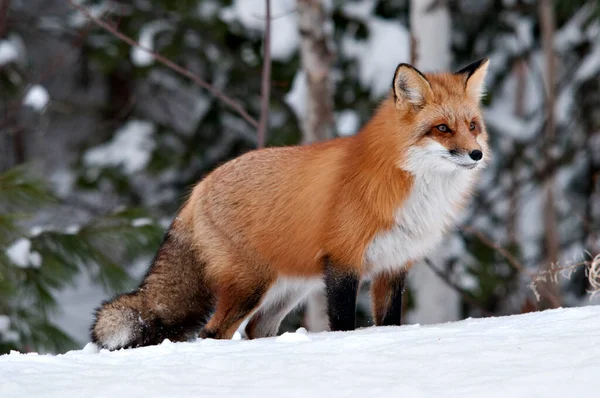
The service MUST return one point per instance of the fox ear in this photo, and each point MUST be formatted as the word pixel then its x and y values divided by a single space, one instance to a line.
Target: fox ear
pixel 474 77
pixel 410 86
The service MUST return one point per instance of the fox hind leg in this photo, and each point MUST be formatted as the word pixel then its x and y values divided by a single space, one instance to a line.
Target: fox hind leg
pixel 386 295
pixel 281 299
pixel 265 322
pixel 236 300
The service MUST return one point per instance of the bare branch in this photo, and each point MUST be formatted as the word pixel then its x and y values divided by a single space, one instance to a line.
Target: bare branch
pixel 170 64
pixel 465 295
pixel 266 80
pixel 541 280
pixel 512 260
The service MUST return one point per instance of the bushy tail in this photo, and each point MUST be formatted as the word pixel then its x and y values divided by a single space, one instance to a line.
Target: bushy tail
pixel 123 323
pixel 173 302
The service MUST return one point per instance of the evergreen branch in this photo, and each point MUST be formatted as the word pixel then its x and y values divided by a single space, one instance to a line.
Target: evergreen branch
pixel 21 191
pixel 168 63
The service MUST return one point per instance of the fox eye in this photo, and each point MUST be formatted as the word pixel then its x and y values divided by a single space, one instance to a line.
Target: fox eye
pixel 443 128
pixel 472 126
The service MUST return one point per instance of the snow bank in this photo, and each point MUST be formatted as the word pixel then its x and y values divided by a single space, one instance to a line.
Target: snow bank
pixel 547 354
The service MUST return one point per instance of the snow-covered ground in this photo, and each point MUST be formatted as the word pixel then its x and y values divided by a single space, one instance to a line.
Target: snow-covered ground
pixel 548 354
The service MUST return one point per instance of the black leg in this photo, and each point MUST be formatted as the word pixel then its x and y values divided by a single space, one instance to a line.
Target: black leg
pixel 393 314
pixel 386 292
pixel 341 287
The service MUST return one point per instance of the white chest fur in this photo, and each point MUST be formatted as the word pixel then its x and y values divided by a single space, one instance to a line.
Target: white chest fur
pixel 421 220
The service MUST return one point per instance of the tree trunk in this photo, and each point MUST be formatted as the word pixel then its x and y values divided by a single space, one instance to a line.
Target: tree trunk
pixel 550 290
pixel 7 146
pixel 317 58
pixel 435 301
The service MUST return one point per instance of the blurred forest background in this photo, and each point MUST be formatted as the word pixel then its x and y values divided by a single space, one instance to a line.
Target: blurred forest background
pixel 100 142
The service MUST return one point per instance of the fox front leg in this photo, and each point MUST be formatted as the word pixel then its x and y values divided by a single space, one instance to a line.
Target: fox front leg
pixel 341 288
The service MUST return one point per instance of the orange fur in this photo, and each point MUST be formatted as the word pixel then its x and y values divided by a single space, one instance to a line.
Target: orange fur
pixel 285 208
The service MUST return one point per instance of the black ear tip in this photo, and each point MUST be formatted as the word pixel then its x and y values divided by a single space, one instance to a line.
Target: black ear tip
pixel 484 60
pixel 480 62
pixel 404 65
pixel 472 67
pixel 407 66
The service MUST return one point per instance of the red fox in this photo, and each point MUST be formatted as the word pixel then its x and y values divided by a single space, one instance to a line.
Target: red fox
pixel 262 231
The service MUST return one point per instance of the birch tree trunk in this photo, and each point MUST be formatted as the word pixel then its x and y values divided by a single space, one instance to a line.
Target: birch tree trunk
pixel 317 58
pixel 435 301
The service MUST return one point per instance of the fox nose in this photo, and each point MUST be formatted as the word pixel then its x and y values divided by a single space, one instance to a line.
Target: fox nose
pixel 476 155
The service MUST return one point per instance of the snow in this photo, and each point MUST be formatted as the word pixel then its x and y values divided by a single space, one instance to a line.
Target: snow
pixel 97 10
pixel 36 97
pixel 387 45
pixel 208 9
pixel 8 52
pixel 4 323
pixel 139 55
pixel 347 122
pixel 35 259
pixel 296 97
pixel 6 334
pixel 284 23
pixel 20 254
pixel 141 222
pixel 72 229
pixel 359 9
pixel 19 251
pixel 550 354
pixel 131 148
pixel 289 337
pixel 63 181
pixel 590 65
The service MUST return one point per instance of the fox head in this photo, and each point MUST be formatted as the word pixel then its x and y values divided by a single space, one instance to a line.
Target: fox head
pixel 447 132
